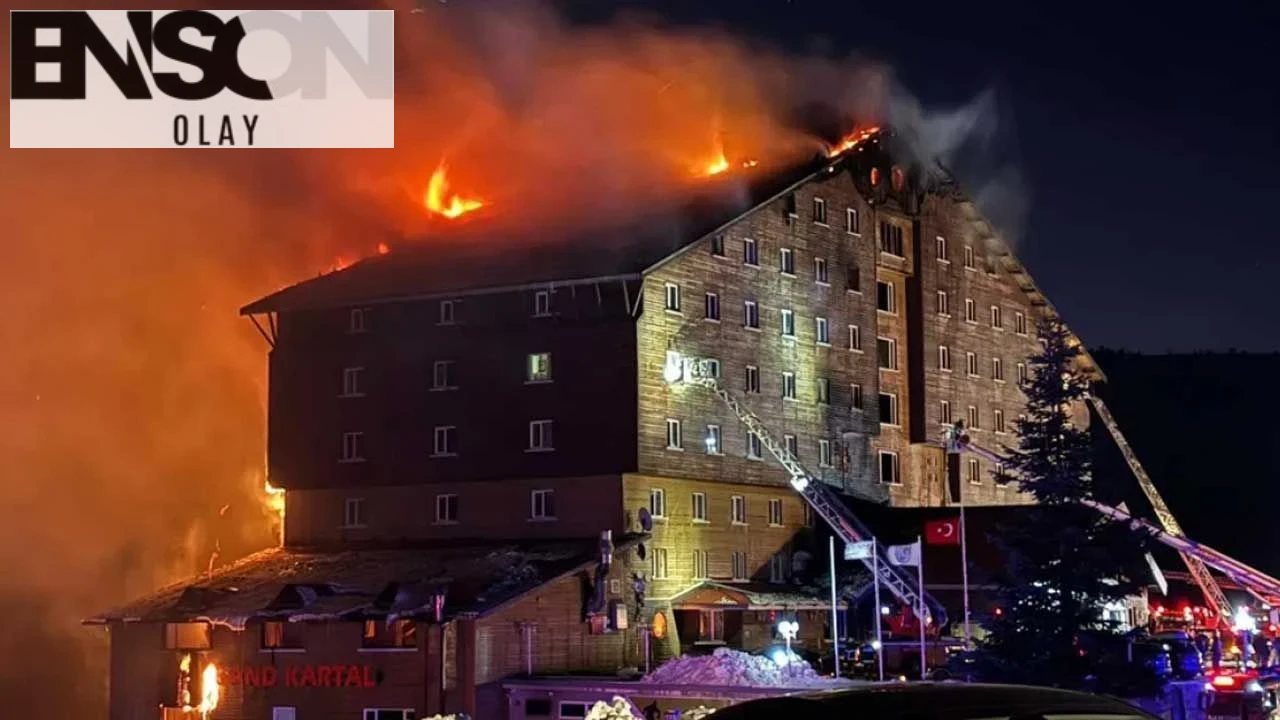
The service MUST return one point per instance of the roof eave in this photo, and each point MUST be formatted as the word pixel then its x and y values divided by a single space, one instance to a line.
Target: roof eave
pixel 265 305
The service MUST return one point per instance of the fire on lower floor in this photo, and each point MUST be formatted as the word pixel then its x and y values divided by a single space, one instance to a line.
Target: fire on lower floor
pixel 394 634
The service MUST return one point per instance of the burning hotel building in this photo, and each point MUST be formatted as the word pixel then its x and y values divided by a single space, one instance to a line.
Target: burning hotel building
pixel 487 476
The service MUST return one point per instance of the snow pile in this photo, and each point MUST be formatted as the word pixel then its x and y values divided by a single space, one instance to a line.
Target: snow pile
pixel 698 713
pixel 735 668
pixel 619 710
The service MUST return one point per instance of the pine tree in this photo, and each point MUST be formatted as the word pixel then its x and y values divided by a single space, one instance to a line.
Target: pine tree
pixel 1064 560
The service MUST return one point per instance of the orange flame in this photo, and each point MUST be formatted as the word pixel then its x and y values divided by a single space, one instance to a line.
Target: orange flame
pixel 852 140
pixel 275 500
pixel 210 693
pixel 451 206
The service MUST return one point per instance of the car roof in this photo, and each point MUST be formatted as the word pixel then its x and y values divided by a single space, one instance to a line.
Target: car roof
pixel 961 701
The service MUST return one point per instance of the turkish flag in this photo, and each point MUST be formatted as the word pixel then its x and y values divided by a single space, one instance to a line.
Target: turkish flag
pixel 942 532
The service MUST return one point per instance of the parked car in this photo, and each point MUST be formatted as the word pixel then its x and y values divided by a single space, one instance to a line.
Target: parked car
pixel 937 701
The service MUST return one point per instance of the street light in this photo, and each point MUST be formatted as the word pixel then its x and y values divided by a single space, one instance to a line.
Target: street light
pixel 788 629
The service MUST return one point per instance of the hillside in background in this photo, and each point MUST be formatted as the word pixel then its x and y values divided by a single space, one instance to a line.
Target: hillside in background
pixel 1205 426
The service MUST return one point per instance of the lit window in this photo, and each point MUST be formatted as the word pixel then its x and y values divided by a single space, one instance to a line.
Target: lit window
pixel 538 368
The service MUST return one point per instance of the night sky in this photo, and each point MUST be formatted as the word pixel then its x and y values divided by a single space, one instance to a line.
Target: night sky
pixel 1146 140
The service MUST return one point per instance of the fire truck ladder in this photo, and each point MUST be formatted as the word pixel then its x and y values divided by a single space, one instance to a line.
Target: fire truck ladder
pixel 1203 578
pixel 698 372
pixel 1195 555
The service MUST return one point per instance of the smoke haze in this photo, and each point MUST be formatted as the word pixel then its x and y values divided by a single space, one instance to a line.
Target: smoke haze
pixel 132 397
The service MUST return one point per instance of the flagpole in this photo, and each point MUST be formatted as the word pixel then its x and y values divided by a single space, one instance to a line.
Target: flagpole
pixel 923 611
pixel 875 572
pixel 964 577
pixel 835 617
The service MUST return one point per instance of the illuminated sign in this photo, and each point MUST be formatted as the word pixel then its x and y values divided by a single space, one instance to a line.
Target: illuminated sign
pixel 330 676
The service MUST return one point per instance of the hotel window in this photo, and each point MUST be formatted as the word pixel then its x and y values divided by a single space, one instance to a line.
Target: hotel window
pixel 997 420
pixel 943 304
pixel 443 375
pixel 738 510
pixel 820 211
pixel 739 565
pixel 278 635
pixel 824 453
pixel 542 504
pixel 973 418
pixel 793 447
pixel 778 568
pixel 750 315
pixel 445 442
pixel 944 358
pixel 700 565
pixel 940 249
pixel 753 446
pixel 888 409
pixel 751 379
pixel 351 382
pixel 887 351
pixel 788 323
pixel 789 386
pixel 390 714
pixel 970 310
pixel 855 396
pixel 885 299
pixel 820 271
pixel 973 471
pixel 997 317
pixel 824 391
pixel 353 513
pixel 787 261
pixel 971 364
pixel 657 502
pixel 674 439
pixel 542 303
pixel 713 307
pixel 944 412
pixel 889 472
pixel 717 246
pixel 540 436
pixel 396 634
pixel 712 441
pixel 538 368
pixel 853 279
pixel 448 312
pixel 187 636
pixel 821 334
pixel 446 509
pixel 997 369
pixel 351 442
pixel 356 321
pixel 672 297
pixel 1022 373
pixel 1020 323
pixel 968 258
pixel 775 511
pixel 851 221
pixel 699 507
pixel 891 239
pixel 750 253
pixel 855 338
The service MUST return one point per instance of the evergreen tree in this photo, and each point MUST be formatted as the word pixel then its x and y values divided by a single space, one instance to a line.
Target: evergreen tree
pixel 1064 560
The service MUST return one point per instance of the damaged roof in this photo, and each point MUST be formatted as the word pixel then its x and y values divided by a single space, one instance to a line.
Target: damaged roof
pixel 477 260
pixel 300 585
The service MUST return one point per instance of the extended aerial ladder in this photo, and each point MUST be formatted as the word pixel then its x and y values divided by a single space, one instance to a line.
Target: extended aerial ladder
pixel 1198 557
pixel 701 373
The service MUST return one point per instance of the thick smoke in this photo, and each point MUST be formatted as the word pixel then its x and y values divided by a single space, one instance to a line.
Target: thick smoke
pixel 132 397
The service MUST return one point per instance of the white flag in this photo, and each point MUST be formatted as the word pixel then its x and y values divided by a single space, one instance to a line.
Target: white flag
pixel 859 550
pixel 908 555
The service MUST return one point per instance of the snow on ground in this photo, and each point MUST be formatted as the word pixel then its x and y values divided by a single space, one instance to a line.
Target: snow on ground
pixel 735 668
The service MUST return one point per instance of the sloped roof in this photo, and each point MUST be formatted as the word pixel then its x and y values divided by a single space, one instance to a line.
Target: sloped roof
pixel 753 596
pixel 474 259
pixel 313 585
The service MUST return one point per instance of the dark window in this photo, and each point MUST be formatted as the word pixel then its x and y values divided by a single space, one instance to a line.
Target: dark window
pixel 717 246
pixel 853 279
pixel 278 635
pixel 891 239
pixel 884 297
